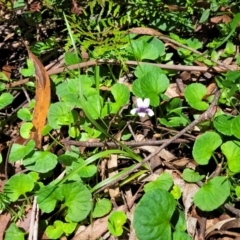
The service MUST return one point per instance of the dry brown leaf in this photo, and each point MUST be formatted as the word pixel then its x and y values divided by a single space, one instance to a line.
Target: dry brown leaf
pixel 43 96
pixel 224 18
pixel 145 31
pixel 7 70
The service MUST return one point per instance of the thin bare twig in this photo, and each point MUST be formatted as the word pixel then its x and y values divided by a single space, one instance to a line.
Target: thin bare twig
pixel 113 144
pixel 130 63
pixel 203 117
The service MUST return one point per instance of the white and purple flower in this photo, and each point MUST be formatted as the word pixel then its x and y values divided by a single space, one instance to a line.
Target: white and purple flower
pixel 142 108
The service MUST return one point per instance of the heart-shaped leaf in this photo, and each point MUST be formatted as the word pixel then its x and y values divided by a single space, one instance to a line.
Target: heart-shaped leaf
pixel 212 194
pixel 204 147
pixel 152 215
pixel 231 150
pixel 194 94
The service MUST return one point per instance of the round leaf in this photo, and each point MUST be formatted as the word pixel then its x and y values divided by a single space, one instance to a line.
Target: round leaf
pixel 55 231
pixel 231 150
pixel 212 194
pixel 41 162
pixel 19 151
pixel 13 232
pixel 204 147
pixel 164 181
pixel 143 50
pixel 223 124
pixel 102 207
pixel 153 214
pixel 236 127
pixel 25 130
pixel 58 115
pixel 77 199
pixel 18 185
pixel 24 114
pixel 115 223
pixel 194 94
pixel 121 95
pixel 5 99
pixel 190 175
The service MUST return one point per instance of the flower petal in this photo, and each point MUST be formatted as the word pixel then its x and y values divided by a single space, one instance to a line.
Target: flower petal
pixel 146 102
pixel 150 112
pixel 133 111
pixel 140 103
pixel 141 114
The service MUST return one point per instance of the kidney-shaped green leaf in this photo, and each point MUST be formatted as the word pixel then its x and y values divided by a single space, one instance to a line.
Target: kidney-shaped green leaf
pixel 204 147
pixel 18 185
pixel 236 127
pixel 153 214
pixel 78 199
pixel 212 194
pixel 223 124
pixel 194 94
pixel 231 150
pixel 41 161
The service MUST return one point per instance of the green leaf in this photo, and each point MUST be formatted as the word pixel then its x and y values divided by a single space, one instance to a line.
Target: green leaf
pixel 18 185
pixel 204 147
pixel 212 194
pixel 24 114
pixel 77 199
pixel 86 171
pixel 146 68
pixel 75 87
pixel 115 222
pixel 158 44
pixel 178 220
pixel 68 228
pixel 19 151
pixel 47 128
pixel 143 50
pixel 190 175
pixel 194 94
pixel 55 231
pixel 40 161
pixel 223 124
pixel 236 127
pixel 121 95
pixel 237 191
pixel 176 192
pixel 231 149
pixel 194 43
pixel 205 15
pixel 95 105
pixel 71 58
pixel 59 114
pixel 30 70
pixel 48 196
pixel 164 181
pixel 13 232
pixel 25 130
pixel 152 215
pixel 5 100
pixel 177 235
pixel 101 208
pixel 150 87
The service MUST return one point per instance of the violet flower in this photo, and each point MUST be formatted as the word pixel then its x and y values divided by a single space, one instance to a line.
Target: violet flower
pixel 142 108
